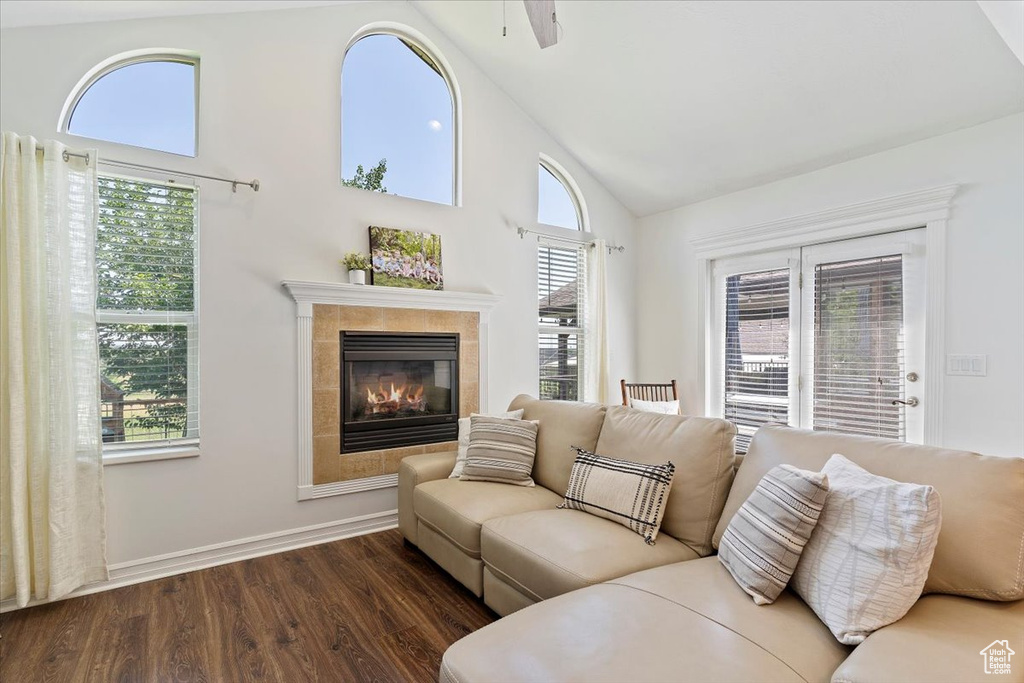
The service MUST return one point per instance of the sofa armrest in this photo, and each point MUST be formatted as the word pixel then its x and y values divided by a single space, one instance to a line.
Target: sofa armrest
pixel 412 471
pixel 940 639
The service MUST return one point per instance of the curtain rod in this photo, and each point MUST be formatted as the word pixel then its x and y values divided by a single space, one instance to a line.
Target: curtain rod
pixel 66 155
pixel 254 183
pixel 523 232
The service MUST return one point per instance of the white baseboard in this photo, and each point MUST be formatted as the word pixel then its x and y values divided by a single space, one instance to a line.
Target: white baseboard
pixel 162 566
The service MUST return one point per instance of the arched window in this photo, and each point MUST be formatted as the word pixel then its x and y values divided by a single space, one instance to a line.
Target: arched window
pixel 399 117
pixel 143 99
pixel 558 199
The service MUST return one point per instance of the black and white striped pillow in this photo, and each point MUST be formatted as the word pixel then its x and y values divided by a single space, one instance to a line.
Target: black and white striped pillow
pixel 630 493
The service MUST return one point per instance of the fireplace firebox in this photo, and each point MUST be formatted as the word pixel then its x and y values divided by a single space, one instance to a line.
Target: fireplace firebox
pixel 398 389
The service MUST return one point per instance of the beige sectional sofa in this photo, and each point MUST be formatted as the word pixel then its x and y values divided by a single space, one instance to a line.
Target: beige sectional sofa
pixel 673 612
pixel 509 545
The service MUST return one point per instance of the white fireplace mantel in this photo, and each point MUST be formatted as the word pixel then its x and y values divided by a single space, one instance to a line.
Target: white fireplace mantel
pixel 306 294
pixel 343 294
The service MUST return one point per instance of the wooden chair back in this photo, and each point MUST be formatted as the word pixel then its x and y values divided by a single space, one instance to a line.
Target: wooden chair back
pixel 649 392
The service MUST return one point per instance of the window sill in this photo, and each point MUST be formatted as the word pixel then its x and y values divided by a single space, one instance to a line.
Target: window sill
pixel 123 457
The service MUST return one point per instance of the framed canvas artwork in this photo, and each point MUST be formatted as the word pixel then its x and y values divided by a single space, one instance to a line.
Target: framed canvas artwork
pixel 404 258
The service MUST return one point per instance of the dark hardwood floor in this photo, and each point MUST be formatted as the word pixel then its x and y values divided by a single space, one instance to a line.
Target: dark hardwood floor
pixel 363 609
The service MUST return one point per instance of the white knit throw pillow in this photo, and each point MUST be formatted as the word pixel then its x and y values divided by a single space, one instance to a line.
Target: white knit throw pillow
pixel 867 561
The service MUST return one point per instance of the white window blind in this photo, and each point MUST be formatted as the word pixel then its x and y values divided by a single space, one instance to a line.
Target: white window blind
pixel 146 262
pixel 859 347
pixel 561 288
pixel 756 364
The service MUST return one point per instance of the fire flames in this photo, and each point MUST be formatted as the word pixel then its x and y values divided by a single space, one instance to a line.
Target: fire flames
pixel 406 398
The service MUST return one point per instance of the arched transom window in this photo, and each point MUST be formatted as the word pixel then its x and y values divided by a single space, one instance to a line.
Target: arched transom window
pixel 141 99
pixel 399 118
pixel 558 201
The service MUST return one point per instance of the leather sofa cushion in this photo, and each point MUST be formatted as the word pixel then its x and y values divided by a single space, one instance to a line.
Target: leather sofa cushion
pixel 787 629
pixel 549 552
pixel 703 451
pixel 456 509
pixel 939 640
pixel 981 541
pixel 678 622
pixel 563 424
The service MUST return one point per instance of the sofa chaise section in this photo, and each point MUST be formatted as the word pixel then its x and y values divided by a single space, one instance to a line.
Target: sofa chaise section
pixel 686 621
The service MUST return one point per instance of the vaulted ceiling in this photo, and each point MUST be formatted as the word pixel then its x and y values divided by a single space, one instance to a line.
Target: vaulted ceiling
pixel 15 13
pixel 668 103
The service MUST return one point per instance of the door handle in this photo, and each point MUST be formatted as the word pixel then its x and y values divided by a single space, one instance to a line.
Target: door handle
pixel 911 402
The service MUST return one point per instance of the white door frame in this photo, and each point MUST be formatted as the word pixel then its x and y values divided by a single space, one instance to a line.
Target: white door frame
pixel 928 208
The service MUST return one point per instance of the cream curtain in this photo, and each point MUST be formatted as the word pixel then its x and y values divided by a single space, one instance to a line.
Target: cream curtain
pixel 52 536
pixel 596 337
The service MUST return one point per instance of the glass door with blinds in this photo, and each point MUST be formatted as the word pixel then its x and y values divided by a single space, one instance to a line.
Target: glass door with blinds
pixel 862 308
pixel 755 341
pixel 828 337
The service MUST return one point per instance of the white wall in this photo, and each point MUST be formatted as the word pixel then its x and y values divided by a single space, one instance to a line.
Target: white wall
pixel 270 110
pixel 985 267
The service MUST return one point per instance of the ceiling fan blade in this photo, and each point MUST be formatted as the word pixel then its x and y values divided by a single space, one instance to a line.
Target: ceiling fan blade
pixel 542 19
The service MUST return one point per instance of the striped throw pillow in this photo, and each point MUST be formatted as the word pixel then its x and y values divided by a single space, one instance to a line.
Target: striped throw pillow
pixel 764 540
pixel 630 493
pixel 500 450
pixel 460 456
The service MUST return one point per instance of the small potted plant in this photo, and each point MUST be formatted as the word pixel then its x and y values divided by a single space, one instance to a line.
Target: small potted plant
pixel 357 264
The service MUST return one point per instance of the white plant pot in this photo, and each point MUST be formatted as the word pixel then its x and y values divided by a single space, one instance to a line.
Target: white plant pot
pixel 357 277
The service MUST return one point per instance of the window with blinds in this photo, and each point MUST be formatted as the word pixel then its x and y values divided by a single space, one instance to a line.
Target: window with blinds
pixel 757 329
pixel 859 347
pixel 147 289
pixel 561 288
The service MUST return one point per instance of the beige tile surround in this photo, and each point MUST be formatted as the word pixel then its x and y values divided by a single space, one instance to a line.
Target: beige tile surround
pixel 329 320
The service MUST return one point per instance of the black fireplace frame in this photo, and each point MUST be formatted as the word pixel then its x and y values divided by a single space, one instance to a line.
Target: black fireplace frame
pixel 398 432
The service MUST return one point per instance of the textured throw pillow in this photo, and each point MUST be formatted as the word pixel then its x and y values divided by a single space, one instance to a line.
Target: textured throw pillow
pixel 501 450
pixel 663 407
pixel 867 561
pixel 460 457
pixel 630 493
pixel 764 540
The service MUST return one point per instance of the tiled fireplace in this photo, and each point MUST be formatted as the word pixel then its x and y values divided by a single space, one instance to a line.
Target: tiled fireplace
pixel 332 462
pixel 398 389
pixel 384 373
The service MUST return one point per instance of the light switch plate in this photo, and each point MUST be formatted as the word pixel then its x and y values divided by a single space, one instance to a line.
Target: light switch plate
pixel 973 365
